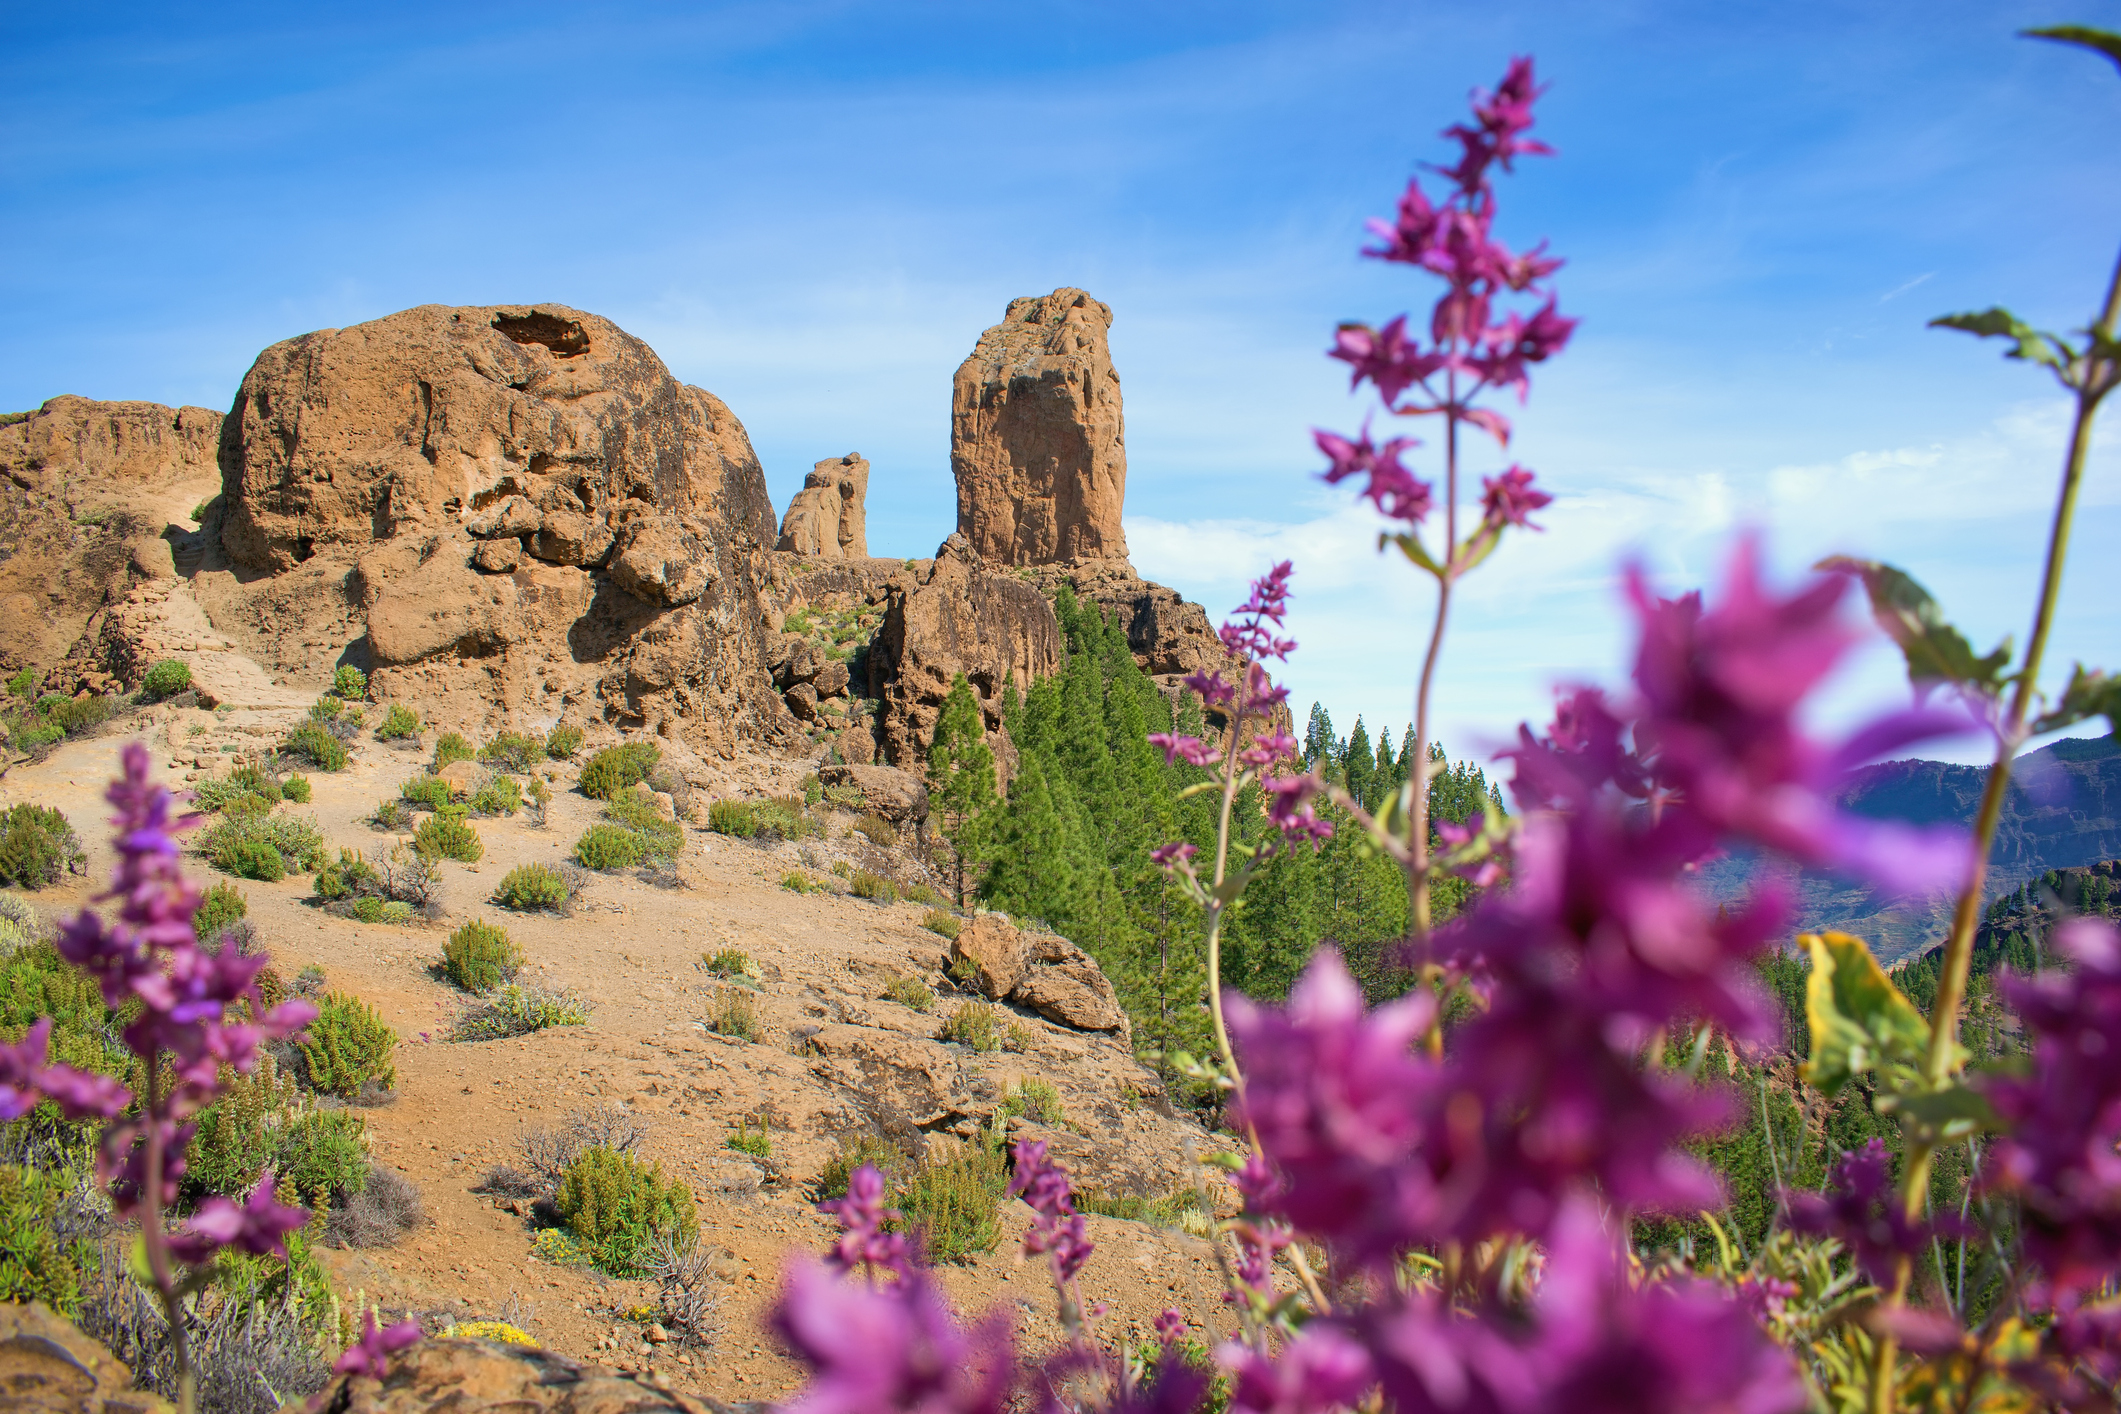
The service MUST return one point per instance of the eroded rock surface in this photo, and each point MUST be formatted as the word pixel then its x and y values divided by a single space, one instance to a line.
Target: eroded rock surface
pixel 484 1377
pixel 49 1367
pixel 826 518
pixel 1037 440
pixel 1041 971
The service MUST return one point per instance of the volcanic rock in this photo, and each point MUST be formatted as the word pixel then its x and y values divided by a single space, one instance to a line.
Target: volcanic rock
pixel 995 952
pixel 802 700
pixel 1066 985
pixel 1037 440
pixel 474 1375
pixel 899 796
pixel 825 519
pixel 47 1366
pixel 498 556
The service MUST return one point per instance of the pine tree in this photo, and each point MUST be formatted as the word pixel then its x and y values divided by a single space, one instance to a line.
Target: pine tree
pixel 1319 741
pixel 1359 766
pixel 961 776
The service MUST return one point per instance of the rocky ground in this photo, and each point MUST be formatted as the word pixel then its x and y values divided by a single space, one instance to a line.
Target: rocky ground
pixel 833 1058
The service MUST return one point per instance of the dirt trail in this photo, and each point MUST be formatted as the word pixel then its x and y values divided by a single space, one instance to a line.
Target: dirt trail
pixel 635 950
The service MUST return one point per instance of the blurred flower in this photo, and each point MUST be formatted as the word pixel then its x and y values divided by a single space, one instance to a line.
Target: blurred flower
pixel 891 1347
pixel 1320 1369
pixel 1507 499
pixel 260 1226
pixel 1058 1229
pixel 1395 491
pixel 863 1242
pixel 370 1355
pixel 1867 1213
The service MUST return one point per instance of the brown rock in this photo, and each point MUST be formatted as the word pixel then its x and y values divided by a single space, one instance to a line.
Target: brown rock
pixel 570 538
pixel 49 1367
pixel 1037 440
pixel 899 796
pixel 462 777
pixel 995 949
pixel 802 700
pixel 831 680
pixel 513 516
pixel 826 518
pixel 484 1377
pixel 498 556
pixel 659 562
pixel 1064 984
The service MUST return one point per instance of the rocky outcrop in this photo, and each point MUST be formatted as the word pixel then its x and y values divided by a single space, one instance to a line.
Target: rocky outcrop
pixel 478 1375
pixel 958 617
pixel 1042 971
pixel 826 518
pixel 47 1366
pixel 528 516
pixel 1037 440
pixel 900 797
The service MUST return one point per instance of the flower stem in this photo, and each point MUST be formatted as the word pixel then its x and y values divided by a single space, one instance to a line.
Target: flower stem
pixel 1418 775
pixel 153 1240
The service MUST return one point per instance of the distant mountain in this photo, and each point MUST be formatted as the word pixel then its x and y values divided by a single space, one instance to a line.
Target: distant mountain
pixel 2063 811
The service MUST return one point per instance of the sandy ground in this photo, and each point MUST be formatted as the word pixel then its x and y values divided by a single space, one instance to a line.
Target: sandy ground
pixel 634 949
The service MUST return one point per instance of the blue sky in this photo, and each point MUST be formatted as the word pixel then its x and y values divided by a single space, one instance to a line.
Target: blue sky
pixel 813 209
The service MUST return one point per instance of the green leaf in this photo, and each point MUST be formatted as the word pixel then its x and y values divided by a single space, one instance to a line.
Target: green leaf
pixel 1935 651
pixel 2099 41
pixel 2000 323
pixel 1410 546
pixel 1941 1116
pixel 2090 694
pixel 1860 1020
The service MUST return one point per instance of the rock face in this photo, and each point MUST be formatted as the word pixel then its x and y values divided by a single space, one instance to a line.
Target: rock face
pixel 87 492
pixel 49 1367
pixel 530 517
pixel 900 797
pixel 1044 972
pixel 1037 441
pixel 477 1375
pixel 826 519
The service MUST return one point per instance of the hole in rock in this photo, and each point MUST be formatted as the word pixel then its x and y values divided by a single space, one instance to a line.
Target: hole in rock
pixel 563 336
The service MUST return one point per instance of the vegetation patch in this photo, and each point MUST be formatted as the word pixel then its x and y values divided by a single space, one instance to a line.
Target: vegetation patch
pixel 876 829
pixel 951 1203
pixel 533 886
pixel 499 796
pixel 349 683
pixel 944 925
pixel 607 847
pixel 513 751
pixel 37 845
pixel 985 1028
pixel 518 1010
pixel 447 835
pixel 746 1140
pixel 165 679
pixel 427 792
pixel 450 748
pixel 910 992
pixel 400 723
pixel 615 1206
pixel 220 909
pixel 479 957
pixel 563 741
pixel 616 768
pixel 872 886
pixel 315 743
pixel 347 1049
pixel 734 1012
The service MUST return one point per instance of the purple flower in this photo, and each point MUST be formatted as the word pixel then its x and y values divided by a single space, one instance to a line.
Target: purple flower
pixel 1431 1359
pixel 1507 499
pixel 1867 1214
pixel 1289 812
pixel 370 1355
pixel 26 1078
pixel 1184 748
pixel 1384 356
pixel 1173 855
pixel 260 1226
pixel 1395 491
pixel 1319 1370
pixel 890 1347
pixel 863 1242
pixel 1058 1229
pixel 1269 749
pixel 1500 117
pixel 2059 1155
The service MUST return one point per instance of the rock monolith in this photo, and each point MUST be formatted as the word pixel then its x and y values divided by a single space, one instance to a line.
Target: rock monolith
pixel 826 518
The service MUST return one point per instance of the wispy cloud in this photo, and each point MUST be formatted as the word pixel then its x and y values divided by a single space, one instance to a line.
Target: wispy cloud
pixel 1898 290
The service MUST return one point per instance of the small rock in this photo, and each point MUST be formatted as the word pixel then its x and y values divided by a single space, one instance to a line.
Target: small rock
pixel 657 1334
pixel 802 700
pixel 831 680
pixel 498 556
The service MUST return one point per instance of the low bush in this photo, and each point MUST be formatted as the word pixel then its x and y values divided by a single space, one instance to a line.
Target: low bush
pixel 735 818
pixel 445 835
pixel 876 829
pixel 391 815
pixel 746 1140
pixel 795 881
pixel 921 893
pixel 617 767
pixel 1036 1100
pixel 985 1028
pixel 499 796
pixel 563 741
pixel 660 838
pixel 400 723
pixel 350 876
pixel 23 684
pixel 326 710
pixel 76 716
pixel 370 909
pixel 37 845
pixel 537 797
pixel 315 744
pixel 349 683
pixel 874 887
pixel 479 957
pixel 323 1154
pixel 952 1203
pixel 729 962
pixel 1181 1208
pixel 450 748
pixel 813 790
pixel 249 806
pixel 348 1048
pixel 220 908
pixel 264 847
pixel 855 1150
pixel 295 789
pixel 250 858
pixel 165 679
pixel 386 1208
pixel 615 1206
pixel 944 925
pixel 734 1012
pixel 518 1010
pixel 532 886
pixel 427 792
pixel 18 924
pixel 253 779
pixel 909 992
pixel 841 869
pixel 605 847
pixel 513 751
pixel 35 1264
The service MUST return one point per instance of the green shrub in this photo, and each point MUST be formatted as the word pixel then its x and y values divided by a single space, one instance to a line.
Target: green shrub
pixel 513 751
pixel 237 1133
pixel 326 710
pixel 854 1151
pixel 249 806
pixel 479 957
pixel 813 790
pixel 908 991
pixel 532 886
pixel 165 679
pixel 324 1154
pixel 296 789
pixel 563 741
pixel 215 792
pixel 745 1140
pixel 941 924
pixel 18 924
pixel 238 842
pixel 350 877
pixel 37 845
pixel 427 792
pixel 36 982
pixel 876 829
pixel 34 1264
pixel 735 818
pixel 253 779
pixel 729 962
pixel 921 893
pixel 615 1207
pixel 841 869
pixel 250 858
pixel 616 767
pixel 734 1012
pixel 75 715
pixel 370 909
pixel 984 1028
pixel 1180 1208
pixel 608 847
pixel 392 815
pixel 952 1202
pixel 450 748
pixel 347 1048
pixel 499 796
pixel 219 908
pixel 349 683
pixel 398 724
pixel 1035 1099
pixel 795 881
pixel 874 887
pixel 444 835
pixel 517 1010
pixel 660 838
pixel 314 743
pixel 23 684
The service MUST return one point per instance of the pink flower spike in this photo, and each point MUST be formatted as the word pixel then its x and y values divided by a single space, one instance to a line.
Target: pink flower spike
pixel 259 1227
pixel 1187 748
pixel 370 1355
pixel 1395 491
pixel 1507 499
pixel 1176 853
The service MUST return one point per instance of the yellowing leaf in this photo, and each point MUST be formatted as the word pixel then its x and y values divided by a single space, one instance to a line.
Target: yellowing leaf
pixel 1860 1021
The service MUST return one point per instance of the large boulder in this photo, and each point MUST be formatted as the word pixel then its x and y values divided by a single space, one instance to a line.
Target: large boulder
pixel 826 518
pixel 992 951
pixel 485 1377
pixel 899 796
pixel 49 1367
pixel 1037 440
pixel 1064 984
